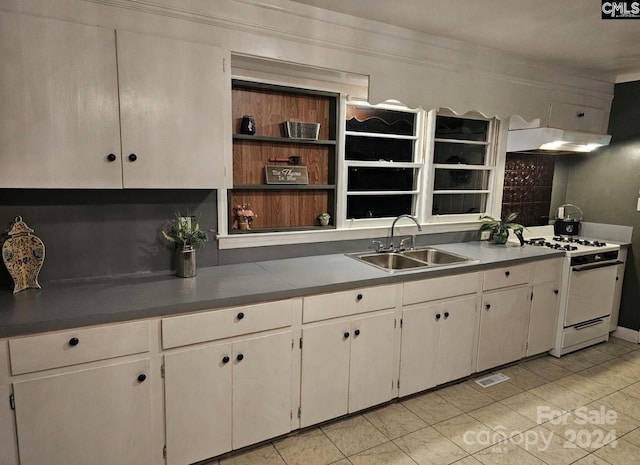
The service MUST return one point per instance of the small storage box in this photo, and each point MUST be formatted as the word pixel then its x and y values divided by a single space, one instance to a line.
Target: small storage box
pixel 297 130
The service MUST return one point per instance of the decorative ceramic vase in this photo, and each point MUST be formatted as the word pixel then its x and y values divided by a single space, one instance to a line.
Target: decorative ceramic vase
pixel 23 255
pixel 248 125
pixel 186 262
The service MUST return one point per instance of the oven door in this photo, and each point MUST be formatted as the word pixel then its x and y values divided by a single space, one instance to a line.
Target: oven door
pixel 590 293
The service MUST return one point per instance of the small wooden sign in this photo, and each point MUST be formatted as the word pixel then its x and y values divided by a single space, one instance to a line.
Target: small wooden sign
pixel 288 174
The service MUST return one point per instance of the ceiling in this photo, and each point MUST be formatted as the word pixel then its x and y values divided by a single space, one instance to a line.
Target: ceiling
pixel 567 31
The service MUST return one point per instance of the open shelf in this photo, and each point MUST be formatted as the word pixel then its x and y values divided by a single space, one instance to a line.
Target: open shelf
pixel 283 207
pixel 282 140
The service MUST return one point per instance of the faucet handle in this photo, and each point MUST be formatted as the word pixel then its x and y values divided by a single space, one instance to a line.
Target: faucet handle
pixel 377 246
pixel 411 240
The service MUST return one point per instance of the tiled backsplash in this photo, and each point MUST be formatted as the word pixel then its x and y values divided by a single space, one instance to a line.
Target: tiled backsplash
pixel 528 180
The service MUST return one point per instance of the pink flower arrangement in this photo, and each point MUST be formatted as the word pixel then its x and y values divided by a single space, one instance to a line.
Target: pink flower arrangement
pixel 243 216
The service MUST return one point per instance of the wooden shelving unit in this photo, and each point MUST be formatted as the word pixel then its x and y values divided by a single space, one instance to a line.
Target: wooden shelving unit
pixel 283 207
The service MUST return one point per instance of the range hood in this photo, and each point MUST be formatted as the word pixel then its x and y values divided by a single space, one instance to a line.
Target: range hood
pixel 554 141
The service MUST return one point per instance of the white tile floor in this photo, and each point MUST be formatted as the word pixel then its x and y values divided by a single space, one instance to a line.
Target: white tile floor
pixel 581 409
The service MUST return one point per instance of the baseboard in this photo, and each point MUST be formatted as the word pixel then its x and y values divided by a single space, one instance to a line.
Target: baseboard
pixel 627 334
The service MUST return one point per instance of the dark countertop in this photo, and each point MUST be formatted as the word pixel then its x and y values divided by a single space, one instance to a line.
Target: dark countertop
pixel 69 304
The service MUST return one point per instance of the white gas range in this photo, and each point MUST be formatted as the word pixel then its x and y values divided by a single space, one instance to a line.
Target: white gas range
pixel 588 283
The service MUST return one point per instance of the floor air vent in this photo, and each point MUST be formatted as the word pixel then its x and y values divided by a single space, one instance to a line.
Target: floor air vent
pixel 491 380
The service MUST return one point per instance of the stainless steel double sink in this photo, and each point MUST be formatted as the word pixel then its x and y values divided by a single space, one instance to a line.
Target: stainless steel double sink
pixel 413 259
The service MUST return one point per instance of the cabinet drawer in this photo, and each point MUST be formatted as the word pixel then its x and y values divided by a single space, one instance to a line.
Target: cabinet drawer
pixel 547 270
pixel 219 324
pixel 66 348
pixel 507 276
pixel 440 288
pixel 325 306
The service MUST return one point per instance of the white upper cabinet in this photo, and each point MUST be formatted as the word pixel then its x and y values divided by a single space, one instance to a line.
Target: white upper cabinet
pixel 59 112
pixel 175 102
pixel 76 114
pixel 577 117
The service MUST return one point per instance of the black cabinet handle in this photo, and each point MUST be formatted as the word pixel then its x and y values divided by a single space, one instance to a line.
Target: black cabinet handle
pixel 580 114
pixel 556 291
pixel 240 316
pixel 446 315
pixel 617 278
pixel 487 306
pixel 133 157
pixel 225 359
pixel 357 332
pixel 507 273
pixel 74 341
pixel 240 357
pixel 142 378
pixel 346 334
pixel 438 316
pixel 111 157
pixel 359 297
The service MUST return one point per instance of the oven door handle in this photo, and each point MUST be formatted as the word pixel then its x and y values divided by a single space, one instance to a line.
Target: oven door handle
pixel 595 265
pixel 588 324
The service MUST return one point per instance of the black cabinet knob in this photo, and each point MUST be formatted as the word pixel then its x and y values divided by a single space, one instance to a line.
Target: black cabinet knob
pixel 74 341
pixel 556 291
pixel 357 332
pixel 446 315
pixel 359 297
pixel 580 114
pixel 438 316
pixel 240 357
pixel 141 378
pixel 133 157
pixel 487 306
pixel 507 273
pixel 111 157
pixel 617 278
pixel 240 316
pixel 225 359
pixel 346 334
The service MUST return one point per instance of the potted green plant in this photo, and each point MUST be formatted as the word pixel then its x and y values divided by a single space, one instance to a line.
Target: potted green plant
pixel 500 228
pixel 324 218
pixel 185 233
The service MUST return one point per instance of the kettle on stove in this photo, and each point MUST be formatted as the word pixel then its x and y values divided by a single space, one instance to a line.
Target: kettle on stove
pixel 568 219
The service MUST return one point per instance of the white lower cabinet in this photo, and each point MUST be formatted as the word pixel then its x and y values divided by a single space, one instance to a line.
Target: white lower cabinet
pixel 99 416
pixel 227 396
pixel 347 365
pixel 544 317
pixel 438 341
pixel 504 324
pixel 9 449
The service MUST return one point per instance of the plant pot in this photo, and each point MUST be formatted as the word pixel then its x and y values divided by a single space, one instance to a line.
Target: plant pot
pixel 243 224
pixel 324 221
pixel 500 239
pixel 186 262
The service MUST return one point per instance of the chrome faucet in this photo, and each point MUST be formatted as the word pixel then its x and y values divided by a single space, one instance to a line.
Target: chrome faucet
pixel 391 245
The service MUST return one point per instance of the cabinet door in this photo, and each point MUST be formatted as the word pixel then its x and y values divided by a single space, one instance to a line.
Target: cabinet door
pixel 504 321
pixel 577 117
pixel 457 339
pixel 371 374
pixel 262 388
pixel 59 112
pixel 175 102
pixel 99 416
pixel 9 449
pixel 617 297
pixel 419 357
pixel 544 318
pixel 324 392
pixel 198 404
